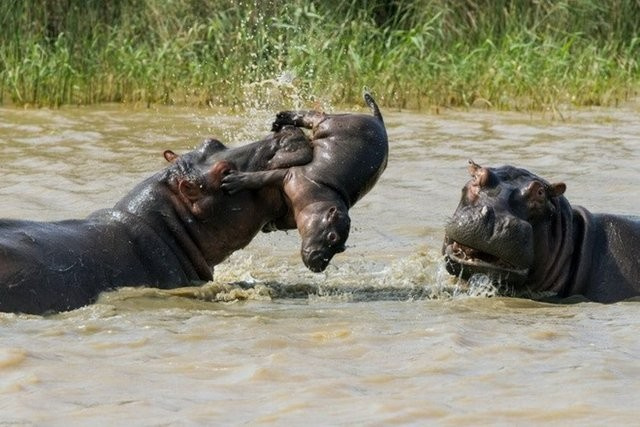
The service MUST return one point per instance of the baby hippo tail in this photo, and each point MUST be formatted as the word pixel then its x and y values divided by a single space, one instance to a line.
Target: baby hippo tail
pixel 372 104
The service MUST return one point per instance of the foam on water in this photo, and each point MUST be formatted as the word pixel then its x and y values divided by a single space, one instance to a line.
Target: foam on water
pixel 419 276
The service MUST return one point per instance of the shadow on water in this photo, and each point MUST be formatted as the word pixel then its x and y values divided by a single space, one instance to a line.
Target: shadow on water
pixel 277 290
pixel 373 290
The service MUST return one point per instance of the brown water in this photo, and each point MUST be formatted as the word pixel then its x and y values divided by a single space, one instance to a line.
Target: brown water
pixel 383 337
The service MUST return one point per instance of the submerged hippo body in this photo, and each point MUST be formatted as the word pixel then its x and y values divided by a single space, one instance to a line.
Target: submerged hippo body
pixel 520 230
pixel 169 231
pixel 349 154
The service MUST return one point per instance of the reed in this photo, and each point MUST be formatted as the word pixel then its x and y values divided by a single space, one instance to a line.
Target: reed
pixel 503 54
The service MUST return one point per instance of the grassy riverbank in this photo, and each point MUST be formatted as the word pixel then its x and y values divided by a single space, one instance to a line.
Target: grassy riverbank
pixel 503 54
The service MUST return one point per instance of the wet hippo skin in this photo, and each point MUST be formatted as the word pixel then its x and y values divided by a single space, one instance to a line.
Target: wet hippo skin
pixel 169 231
pixel 349 154
pixel 520 230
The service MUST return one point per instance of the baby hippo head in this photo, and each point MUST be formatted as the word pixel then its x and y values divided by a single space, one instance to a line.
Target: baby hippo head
pixel 324 227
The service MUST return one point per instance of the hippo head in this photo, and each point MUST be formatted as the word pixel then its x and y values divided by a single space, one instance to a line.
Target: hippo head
pixel 197 177
pixel 324 227
pixel 507 226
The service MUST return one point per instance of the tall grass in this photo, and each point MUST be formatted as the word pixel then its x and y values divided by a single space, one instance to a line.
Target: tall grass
pixel 505 54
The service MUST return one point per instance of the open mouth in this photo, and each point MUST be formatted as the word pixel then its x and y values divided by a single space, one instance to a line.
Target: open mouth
pixel 480 261
pixel 316 261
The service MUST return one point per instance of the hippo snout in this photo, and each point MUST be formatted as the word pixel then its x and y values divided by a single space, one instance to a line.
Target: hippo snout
pixel 471 224
pixel 505 236
pixel 316 260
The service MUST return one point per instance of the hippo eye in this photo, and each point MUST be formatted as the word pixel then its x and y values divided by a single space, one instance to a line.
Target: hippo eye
pixel 536 190
pixel 537 201
pixel 332 237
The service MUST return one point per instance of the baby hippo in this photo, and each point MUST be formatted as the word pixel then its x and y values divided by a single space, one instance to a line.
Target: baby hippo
pixel 349 154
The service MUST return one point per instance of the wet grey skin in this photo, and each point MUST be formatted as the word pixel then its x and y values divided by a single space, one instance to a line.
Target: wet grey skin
pixel 170 230
pixel 350 153
pixel 520 230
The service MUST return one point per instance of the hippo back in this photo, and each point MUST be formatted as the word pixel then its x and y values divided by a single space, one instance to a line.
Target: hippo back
pixel 607 264
pixel 350 154
pixel 56 266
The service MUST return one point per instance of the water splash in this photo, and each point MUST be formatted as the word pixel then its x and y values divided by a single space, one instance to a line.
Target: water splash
pixel 418 276
pixel 481 285
pixel 258 104
pixel 279 93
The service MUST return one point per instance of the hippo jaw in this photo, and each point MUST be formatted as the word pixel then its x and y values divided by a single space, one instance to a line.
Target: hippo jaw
pixel 480 235
pixel 316 260
pixel 480 241
pixel 466 261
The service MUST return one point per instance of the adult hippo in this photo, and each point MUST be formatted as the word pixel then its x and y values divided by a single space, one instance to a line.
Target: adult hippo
pixel 349 154
pixel 520 230
pixel 169 231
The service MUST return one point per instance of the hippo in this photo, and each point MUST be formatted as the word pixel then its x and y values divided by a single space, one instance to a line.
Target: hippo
pixel 169 231
pixel 521 231
pixel 350 153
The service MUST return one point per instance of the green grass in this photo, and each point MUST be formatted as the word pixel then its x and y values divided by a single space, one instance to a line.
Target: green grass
pixel 524 55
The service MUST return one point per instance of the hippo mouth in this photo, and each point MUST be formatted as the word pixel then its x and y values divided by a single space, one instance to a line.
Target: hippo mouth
pixel 468 261
pixel 316 261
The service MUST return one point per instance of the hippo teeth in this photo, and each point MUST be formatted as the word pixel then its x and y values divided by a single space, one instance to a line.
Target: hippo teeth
pixel 469 255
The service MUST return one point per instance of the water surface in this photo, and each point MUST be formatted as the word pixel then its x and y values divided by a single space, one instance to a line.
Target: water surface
pixel 384 336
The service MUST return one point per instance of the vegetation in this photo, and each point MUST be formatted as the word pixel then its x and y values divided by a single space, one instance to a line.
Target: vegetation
pixel 520 54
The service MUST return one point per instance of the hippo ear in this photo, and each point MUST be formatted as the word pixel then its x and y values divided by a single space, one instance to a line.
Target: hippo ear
pixel 170 156
pixel 218 171
pixel 558 189
pixel 473 167
pixel 222 168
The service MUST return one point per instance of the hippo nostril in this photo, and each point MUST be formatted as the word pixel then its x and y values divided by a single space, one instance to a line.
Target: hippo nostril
pixel 486 217
pixel 486 213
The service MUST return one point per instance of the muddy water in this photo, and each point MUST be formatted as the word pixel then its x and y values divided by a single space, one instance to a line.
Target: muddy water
pixel 383 337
